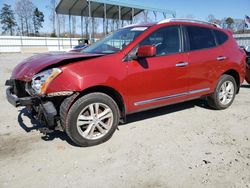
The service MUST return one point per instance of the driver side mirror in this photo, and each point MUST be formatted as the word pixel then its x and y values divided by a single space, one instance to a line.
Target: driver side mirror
pixel 146 51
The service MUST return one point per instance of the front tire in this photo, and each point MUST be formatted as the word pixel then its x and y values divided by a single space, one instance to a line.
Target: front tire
pixel 224 93
pixel 92 119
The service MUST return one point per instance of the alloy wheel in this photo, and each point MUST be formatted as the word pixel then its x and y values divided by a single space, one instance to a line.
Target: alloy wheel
pixel 95 121
pixel 226 93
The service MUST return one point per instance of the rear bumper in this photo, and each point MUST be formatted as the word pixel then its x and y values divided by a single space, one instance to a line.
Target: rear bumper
pixel 15 101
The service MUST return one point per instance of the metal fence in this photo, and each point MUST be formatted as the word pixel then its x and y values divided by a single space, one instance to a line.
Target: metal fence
pixel 17 43
pixel 242 39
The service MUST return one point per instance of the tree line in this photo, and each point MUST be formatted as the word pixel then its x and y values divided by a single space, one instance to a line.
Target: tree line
pixel 28 20
pixel 236 25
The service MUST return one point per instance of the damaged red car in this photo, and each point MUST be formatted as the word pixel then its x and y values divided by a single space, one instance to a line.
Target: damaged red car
pixel 136 68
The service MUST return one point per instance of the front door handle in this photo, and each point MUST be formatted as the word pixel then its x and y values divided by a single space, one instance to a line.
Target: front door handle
pixel 221 58
pixel 182 64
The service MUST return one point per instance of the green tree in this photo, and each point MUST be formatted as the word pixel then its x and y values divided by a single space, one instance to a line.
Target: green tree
pixel 7 19
pixel 229 22
pixel 38 19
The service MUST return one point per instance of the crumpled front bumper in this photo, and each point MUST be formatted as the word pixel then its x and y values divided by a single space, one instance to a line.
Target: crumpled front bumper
pixel 15 101
pixel 45 110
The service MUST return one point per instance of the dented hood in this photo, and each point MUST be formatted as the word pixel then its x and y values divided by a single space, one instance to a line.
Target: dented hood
pixel 31 66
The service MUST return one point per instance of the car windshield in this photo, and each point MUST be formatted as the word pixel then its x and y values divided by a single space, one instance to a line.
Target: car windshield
pixel 116 41
pixel 79 46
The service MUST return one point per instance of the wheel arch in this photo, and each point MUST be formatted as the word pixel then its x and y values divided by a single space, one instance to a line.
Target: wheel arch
pixel 113 93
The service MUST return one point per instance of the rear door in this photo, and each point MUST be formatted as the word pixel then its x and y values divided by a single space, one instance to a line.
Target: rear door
pixel 161 79
pixel 204 59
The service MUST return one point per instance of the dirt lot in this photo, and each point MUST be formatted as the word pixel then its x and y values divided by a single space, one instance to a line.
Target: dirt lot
pixel 185 145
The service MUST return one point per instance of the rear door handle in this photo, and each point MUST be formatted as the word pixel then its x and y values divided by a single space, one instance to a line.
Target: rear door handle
pixel 221 58
pixel 182 64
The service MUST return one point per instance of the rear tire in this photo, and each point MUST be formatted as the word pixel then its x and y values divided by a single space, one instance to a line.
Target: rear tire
pixel 247 80
pixel 92 119
pixel 224 93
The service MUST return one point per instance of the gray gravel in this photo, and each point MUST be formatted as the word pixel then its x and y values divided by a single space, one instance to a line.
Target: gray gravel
pixel 184 145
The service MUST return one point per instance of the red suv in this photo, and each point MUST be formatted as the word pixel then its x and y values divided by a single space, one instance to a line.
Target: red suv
pixel 136 68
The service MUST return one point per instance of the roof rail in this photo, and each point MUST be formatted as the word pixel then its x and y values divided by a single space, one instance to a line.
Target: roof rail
pixel 130 25
pixel 188 20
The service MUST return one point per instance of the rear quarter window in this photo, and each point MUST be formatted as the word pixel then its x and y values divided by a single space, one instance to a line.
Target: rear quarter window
pixel 221 37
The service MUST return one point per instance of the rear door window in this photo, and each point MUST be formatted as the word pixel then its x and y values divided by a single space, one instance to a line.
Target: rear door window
pixel 200 38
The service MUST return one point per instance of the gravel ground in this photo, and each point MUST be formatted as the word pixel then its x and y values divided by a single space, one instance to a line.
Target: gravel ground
pixel 184 145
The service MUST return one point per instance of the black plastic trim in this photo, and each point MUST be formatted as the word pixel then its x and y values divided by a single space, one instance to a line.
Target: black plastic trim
pixel 15 101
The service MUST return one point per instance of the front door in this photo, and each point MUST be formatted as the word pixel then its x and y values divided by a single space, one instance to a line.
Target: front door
pixel 162 79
